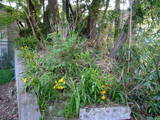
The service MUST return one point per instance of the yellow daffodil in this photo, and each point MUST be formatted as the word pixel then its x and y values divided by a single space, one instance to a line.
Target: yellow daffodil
pixel 103 97
pixel 60 87
pixel 55 86
pixel 61 80
pixel 25 80
pixel 103 92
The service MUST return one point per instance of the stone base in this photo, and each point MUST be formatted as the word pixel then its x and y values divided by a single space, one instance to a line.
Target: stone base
pixel 108 113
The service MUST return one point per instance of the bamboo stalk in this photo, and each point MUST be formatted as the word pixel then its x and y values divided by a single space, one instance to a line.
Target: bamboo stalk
pixel 130 34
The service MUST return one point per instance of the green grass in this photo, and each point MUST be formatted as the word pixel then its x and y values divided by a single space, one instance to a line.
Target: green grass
pixel 6 75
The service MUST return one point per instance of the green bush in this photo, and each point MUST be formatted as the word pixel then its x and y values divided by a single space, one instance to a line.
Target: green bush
pixel 141 85
pixel 64 58
pixel 30 42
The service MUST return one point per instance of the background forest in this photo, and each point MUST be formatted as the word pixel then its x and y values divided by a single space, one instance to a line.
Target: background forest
pixel 90 53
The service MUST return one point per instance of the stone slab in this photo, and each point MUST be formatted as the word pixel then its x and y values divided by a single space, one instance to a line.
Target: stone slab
pixel 106 113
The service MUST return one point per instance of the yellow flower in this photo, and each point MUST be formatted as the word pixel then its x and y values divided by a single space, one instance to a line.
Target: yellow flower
pixel 103 92
pixel 60 87
pixel 61 80
pixel 103 97
pixel 55 86
pixel 25 80
pixel 59 84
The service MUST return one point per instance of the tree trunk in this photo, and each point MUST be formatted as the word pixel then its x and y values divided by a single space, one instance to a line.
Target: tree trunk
pixel 53 5
pixel 67 8
pixel 122 38
pixel 92 17
pixel 124 34
pixel 117 19
pixel 43 7
pixel 46 19
pixel 32 13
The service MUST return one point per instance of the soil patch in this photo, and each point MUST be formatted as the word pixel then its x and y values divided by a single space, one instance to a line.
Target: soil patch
pixel 8 102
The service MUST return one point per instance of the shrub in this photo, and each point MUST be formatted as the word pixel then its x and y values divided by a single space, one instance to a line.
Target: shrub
pixel 141 84
pixel 30 42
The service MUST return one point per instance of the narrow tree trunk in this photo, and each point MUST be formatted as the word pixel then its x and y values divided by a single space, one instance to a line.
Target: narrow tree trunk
pixel 124 34
pixel 53 5
pixel 67 8
pixel 43 8
pixel 46 19
pixel 92 17
pixel 117 19
pixel 32 13
pixel 122 38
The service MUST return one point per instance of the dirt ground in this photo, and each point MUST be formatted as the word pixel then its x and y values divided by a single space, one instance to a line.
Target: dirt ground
pixel 8 102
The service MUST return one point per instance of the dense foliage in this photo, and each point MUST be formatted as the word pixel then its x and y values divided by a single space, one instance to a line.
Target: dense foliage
pixel 85 53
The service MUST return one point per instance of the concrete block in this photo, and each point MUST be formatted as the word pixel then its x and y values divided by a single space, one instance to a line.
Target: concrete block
pixel 106 113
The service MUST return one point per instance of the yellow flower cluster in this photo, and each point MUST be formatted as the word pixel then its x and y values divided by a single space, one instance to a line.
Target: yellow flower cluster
pixel 104 91
pixel 59 85
pixel 24 47
pixel 25 80
pixel 103 97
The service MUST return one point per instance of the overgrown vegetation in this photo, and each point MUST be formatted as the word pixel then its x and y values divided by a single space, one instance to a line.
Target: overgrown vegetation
pixel 77 56
pixel 85 83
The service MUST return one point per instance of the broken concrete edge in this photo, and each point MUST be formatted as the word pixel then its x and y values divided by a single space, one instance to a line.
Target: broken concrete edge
pixel 28 108
pixel 106 113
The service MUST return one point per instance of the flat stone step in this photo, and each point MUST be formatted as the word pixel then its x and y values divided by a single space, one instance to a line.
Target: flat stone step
pixel 106 113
